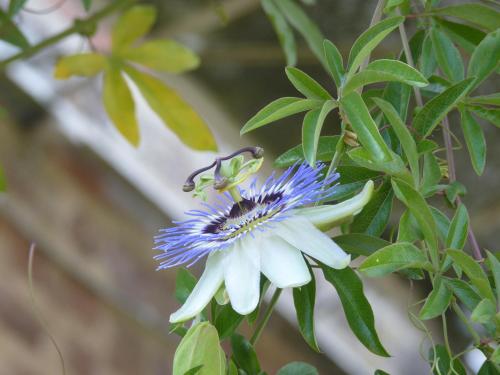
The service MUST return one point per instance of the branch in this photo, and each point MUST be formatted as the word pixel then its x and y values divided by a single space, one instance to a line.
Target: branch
pixel 80 26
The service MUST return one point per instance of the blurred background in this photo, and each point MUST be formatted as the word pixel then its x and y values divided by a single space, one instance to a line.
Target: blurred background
pixel 92 203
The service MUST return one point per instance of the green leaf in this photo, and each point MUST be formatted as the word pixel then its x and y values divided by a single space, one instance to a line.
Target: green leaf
pixel 464 292
pixel 442 222
pixel 82 64
pixel 325 151
pixel 427 61
pixel 453 190
pixel 305 26
pixel 334 62
pixel 356 307
pixel 494 265
pixel 458 229
pixel 200 347
pixel 484 312
pixel 492 99
pixel 131 25
pixel 311 129
pixel 447 55
pixel 15 6
pixel 306 85
pixel 404 136
pixel 431 174
pixel 87 4
pixel 176 113
pixel 491 115
pixel 398 94
pixel 465 36
pixel 375 215
pixel 474 139
pixel 226 321
pixel 364 127
pixel 393 258
pixel 437 301
pixel 194 370
pixel 303 299
pixel 297 368
pixel 367 41
pixel 3 183
pixel 162 55
pixel 474 272
pixel 282 30
pixel 10 33
pixel 443 362
pixel 120 105
pixel 351 180
pixel 278 109
pixel 184 284
pixel 437 108
pixel 485 58
pixel 488 368
pixel 244 354
pixel 385 70
pixel 422 213
pixel 478 14
pixel 360 244
pixel 392 167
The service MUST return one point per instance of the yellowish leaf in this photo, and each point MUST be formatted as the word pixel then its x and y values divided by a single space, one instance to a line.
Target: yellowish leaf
pixel 83 64
pixel 131 25
pixel 163 55
pixel 178 115
pixel 119 104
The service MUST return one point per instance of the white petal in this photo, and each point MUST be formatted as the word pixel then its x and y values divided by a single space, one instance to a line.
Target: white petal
pixel 242 275
pixel 283 264
pixel 328 216
pixel 204 290
pixel 300 233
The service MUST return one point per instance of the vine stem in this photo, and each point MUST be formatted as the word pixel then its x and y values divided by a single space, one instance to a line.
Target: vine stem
pixel 377 15
pixel 466 322
pixel 78 27
pixel 267 315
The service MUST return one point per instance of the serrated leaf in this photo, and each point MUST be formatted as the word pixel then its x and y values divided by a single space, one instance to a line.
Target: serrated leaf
pixel 305 26
pixel 120 105
pixel 491 115
pixel 356 307
pixel 334 62
pixel 458 229
pixel 311 130
pixel 162 55
pixel 282 30
pixel 364 127
pixel 437 108
pixel 200 347
pixel 477 14
pixel 82 64
pixel 464 292
pixel 485 58
pixel 297 368
pixel 278 109
pixel 447 55
pixel 375 215
pixel 10 33
pixel 325 151
pixel 176 113
pixel 474 272
pixel 244 354
pixel 392 258
pixel 306 85
pixel 437 301
pixel 304 298
pixel 131 25
pixel 404 136
pixel 360 244
pixel 474 139
pixel 367 42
